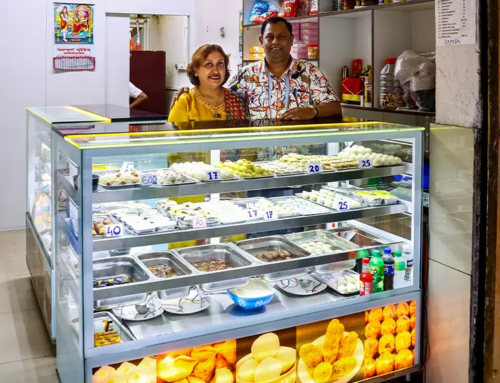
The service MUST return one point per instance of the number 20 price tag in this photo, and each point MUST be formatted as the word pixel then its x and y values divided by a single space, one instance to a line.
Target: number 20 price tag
pixel 252 213
pixel 270 215
pixel 114 230
pixel 365 164
pixel 213 175
pixel 199 223
pixel 314 168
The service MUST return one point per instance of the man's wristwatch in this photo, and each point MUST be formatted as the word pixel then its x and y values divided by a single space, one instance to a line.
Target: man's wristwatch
pixel 315 109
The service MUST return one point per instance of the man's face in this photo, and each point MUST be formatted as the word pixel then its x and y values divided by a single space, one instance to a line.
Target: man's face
pixel 277 42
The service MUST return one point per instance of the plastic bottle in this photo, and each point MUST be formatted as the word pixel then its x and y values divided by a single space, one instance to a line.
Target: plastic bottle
pixel 366 278
pixel 388 269
pixel 408 257
pixel 377 270
pixel 368 99
pixel 386 90
pixel 399 270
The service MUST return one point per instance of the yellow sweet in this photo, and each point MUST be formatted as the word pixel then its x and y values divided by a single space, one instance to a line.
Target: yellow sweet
pixel 266 346
pixel 268 369
pixel 287 357
pixel 223 375
pixel 247 370
pixel 343 366
pixel 171 370
pixel 311 355
pixel 322 372
pixel 348 345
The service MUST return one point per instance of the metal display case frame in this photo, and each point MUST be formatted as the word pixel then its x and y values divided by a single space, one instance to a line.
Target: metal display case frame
pixel 78 356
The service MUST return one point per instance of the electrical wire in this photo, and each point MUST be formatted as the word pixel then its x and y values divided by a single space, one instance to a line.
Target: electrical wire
pixel 425 298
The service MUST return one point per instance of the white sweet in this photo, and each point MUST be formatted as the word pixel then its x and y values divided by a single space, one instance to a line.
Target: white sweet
pixel 352 287
pixel 314 197
pixel 342 288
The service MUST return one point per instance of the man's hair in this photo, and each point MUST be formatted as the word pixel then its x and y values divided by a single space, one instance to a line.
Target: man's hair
pixel 276 20
pixel 202 54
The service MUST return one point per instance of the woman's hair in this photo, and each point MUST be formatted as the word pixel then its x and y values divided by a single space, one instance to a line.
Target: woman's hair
pixel 202 54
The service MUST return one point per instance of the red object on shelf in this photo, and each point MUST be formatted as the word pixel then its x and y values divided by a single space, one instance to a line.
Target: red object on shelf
pixel 357 67
pixel 352 90
pixel 366 278
pixel 148 73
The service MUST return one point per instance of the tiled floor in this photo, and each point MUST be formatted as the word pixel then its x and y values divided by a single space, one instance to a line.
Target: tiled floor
pixel 26 354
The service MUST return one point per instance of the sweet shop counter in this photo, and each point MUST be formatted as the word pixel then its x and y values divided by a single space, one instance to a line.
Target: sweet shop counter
pixel 237 254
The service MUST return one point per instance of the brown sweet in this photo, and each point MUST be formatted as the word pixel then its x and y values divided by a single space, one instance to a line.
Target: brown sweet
pixel 348 345
pixel 388 326
pixel 389 312
pixel 386 344
pixel 403 341
pixel 376 314
pixel 404 359
pixel 402 310
pixel 343 366
pixel 370 370
pixel 413 307
pixel 371 347
pixel 385 364
pixel 403 324
pixel 372 329
pixel 333 336
pixel 311 355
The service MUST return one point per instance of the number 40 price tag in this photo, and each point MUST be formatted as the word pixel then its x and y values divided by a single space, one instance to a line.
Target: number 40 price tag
pixel 114 230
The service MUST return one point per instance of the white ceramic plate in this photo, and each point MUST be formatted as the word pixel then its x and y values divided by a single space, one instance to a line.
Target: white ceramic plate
pixel 304 285
pixel 191 304
pixel 130 313
pixel 306 373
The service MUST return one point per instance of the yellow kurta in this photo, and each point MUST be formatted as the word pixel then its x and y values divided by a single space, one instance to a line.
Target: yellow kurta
pixel 192 107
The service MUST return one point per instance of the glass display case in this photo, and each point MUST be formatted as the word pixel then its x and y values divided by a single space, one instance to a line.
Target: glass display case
pixel 252 254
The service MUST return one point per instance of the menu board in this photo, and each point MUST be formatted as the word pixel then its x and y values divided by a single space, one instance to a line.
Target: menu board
pixel 346 349
pixel 456 22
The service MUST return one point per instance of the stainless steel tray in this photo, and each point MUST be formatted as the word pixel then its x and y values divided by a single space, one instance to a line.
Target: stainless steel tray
pixel 274 243
pixel 121 266
pixel 326 210
pixel 167 258
pixel 123 332
pixel 359 237
pixel 329 280
pixel 338 244
pixel 233 257
pixel 102 217
pixel 280 174
pixel 117 187
pixel 190 180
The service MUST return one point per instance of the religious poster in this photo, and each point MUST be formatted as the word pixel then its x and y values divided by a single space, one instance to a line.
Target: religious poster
pixel 73 37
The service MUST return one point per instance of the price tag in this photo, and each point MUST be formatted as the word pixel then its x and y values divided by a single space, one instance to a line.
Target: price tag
pixel 342 205
pixel 213 175
pixel 149 179
pixel 252 213
pixel 113 230
pixel 270 215
pixel 199 223
pixel 314 168
pixel 365 164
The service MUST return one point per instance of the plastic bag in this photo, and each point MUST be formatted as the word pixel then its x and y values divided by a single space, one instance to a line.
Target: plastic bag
pixel 260 7
pixel 314 7
pixel 417 75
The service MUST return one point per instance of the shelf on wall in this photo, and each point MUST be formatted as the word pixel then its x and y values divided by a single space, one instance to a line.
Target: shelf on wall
pixel 372 109
pixel 312 60
pixel 406 6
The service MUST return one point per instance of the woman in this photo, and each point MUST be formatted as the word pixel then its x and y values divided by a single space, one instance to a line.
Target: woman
pixel 206 101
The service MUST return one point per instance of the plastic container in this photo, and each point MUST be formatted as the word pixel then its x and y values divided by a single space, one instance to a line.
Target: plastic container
pixel 388 269
pixel 312 51
pixel 377 270
pixel 399 270
pixel 391 93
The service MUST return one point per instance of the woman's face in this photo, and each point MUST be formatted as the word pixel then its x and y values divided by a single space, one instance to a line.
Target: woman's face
pixel 212 71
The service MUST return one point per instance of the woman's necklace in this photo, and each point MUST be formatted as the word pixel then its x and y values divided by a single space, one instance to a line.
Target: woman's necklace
pixel 214 109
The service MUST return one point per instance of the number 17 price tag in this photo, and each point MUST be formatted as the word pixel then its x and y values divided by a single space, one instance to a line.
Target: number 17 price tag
pixel 252 213
pixel 213 175
pixel 270 215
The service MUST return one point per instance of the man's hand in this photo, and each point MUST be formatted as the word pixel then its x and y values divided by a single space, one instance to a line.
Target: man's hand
pixel 297 114
pixel 177 95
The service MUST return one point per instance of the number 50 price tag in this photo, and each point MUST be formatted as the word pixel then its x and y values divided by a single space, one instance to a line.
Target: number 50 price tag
pixel 114 230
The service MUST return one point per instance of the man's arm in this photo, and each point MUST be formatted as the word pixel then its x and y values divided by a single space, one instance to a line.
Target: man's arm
pixel 140 99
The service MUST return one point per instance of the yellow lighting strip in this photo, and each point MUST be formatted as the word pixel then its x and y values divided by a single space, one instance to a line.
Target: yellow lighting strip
pixel 94 116
pixel 234 130
pixel 219 139
pixel 39 116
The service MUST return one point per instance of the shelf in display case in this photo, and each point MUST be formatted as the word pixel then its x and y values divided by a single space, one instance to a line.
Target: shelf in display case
pixel 133 194
pixel 129 241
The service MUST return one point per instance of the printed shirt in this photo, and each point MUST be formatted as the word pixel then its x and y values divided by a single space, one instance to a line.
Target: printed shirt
pixel 308 86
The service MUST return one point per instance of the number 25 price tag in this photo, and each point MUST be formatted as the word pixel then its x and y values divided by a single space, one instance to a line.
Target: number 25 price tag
pixel 314 168
pixel 342 205
pixel 365 164
pixel 270 215
pixel 114 230
pixel 148 180
pixel 213 175
pixel 199 223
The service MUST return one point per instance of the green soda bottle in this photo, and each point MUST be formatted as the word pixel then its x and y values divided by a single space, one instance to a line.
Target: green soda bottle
pixel 377 270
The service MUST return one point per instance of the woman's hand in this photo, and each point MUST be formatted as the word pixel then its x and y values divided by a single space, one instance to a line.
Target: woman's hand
pixel 297 114
pixel 177 95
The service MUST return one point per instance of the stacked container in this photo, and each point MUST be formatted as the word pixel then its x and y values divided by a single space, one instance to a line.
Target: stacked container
pixel 306 41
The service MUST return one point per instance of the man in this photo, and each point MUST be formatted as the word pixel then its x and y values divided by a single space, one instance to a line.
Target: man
pixel 298 90
pixel 137 95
